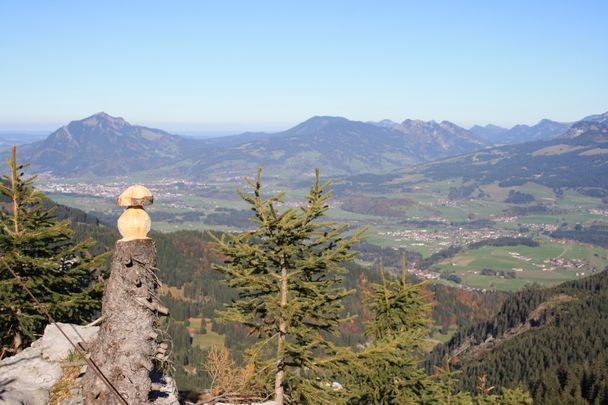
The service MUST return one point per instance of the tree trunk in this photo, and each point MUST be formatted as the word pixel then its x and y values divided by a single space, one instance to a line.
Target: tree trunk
pixel 126 346
pixel 14 191
pixel 279 391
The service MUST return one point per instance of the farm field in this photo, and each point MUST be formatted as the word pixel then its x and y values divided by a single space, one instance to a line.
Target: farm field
pixel 421 218
pixel 550 263
pixel 203 340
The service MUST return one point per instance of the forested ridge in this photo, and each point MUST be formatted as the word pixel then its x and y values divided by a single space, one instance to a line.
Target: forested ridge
pixel 569 338
pixel 561 359
pixel 184 262
pixel 553 342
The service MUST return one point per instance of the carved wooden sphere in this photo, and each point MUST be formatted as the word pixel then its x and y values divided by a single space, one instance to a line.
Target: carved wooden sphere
pixel 135 223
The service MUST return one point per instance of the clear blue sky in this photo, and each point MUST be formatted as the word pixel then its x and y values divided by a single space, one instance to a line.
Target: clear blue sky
pixel 263 65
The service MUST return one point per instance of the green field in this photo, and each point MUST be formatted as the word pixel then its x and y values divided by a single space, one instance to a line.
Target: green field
pixel 85 202
pixel 430 201
pixel 526 262
pixel 207 340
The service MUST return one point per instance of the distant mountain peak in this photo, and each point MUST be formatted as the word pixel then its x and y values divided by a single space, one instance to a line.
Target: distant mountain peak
pixel 103 144
pixel 325 119
pixel 319 121
pixel 409 121
pixel 496 127
pixel 103 118
pixel 104 115
pixel 599 118
pixel 385 123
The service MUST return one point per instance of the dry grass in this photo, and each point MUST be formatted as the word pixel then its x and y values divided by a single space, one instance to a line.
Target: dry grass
pixel 62 390
pixel 174 291
pixel 228 381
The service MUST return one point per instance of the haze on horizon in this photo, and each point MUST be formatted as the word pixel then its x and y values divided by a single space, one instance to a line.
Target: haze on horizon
pixel 235 66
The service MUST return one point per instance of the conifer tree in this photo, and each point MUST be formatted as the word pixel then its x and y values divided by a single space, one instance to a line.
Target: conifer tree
pixel 287 274
pixel 39 250
pixel 387 371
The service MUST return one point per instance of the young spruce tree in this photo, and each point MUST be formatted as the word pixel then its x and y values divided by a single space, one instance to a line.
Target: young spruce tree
pixel 387 371
pixel 39 250
pixel 287 274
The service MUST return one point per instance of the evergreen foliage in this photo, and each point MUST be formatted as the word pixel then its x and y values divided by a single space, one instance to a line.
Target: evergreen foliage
pixel 40 250
pixel 186 359
pixel 560 359
pixel 289 295
pixel 287 275
pixel 387 371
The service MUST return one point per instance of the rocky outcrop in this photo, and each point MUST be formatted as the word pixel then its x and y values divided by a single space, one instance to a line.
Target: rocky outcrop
pixel 28 377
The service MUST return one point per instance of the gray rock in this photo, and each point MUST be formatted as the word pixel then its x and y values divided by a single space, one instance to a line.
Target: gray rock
pixel 27 377
pixel 28 371
pixel 56 347
pixel 168 394
pixel 31 397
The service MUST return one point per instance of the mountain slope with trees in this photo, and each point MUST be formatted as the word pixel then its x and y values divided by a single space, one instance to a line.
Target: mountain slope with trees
pixel 552 341
pixel 578 160
pixel 341 146
pixel 193 291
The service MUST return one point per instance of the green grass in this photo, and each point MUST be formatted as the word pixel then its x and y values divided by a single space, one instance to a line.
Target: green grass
pixel 207 340
pixel 85 203
pixel 195 324
pixel 437 336
pixel 167 227
pixel 430 201
pixel 340 214
pixel 573 199
pixel 468 264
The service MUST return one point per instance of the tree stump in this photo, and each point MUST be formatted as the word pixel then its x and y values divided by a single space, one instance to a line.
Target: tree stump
pixel 127 342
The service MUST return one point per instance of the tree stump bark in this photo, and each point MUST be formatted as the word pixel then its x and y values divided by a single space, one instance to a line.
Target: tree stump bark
pixel 127 342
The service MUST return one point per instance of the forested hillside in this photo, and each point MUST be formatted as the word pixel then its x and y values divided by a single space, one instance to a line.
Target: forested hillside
pixel 193 292
pixel 554 342
pixel 576 160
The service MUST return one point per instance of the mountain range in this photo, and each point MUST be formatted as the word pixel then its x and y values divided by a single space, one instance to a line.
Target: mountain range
pixel 106 145
pixel 576 159
pixel 339 146
pixel 545 129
